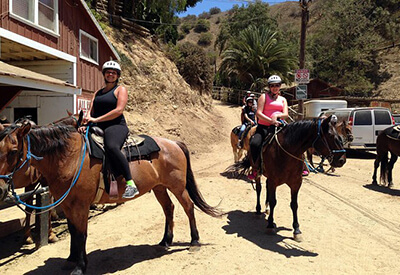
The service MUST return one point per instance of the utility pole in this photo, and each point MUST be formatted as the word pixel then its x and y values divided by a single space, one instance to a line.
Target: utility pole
pixel 304 20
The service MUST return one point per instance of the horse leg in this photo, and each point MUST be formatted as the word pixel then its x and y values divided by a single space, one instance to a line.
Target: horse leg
pixel 240 154
pixel 168 207
pixel 392 161
pixel 188 206
pixel 294 207
pixel 77 226
pixel 258 191
pixel 376 166
pixel 27 228
pixel 272 203
pixel 266 200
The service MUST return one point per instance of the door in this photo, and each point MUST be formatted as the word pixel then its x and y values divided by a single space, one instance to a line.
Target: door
pixel 363 131
pixel 383 120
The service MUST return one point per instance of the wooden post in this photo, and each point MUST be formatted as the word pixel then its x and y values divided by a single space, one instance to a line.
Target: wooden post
pixel 42 221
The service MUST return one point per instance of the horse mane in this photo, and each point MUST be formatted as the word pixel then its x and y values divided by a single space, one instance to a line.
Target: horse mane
pixel 8 130
pixel 50 139
pixel 295 132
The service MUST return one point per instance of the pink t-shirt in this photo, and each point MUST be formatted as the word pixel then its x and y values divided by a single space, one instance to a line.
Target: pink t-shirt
pixel 272 107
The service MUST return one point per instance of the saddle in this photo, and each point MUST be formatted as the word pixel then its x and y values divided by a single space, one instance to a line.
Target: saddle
pixel 393 132
pixel 236 130
pixel 136 147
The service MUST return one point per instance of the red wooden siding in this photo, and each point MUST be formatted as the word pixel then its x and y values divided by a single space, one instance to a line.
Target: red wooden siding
pixel 72 18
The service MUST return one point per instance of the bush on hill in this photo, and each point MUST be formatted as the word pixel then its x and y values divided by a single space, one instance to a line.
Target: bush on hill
pixel 214 10
pixel 202 25
pixel 205 39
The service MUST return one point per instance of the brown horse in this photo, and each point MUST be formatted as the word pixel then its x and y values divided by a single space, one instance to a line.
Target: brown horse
pixel 238 152
pixel 384 145
pixel 63 151
pixel 345 133
pixel 283 162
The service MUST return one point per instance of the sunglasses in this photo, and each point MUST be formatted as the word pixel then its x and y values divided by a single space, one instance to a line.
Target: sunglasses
pixel 274 85
pixel 111 72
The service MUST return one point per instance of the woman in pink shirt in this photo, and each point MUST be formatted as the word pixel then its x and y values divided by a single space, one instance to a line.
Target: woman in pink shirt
pixel 270 110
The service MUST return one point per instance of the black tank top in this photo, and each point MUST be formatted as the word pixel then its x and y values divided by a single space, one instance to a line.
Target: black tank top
pixel 104 103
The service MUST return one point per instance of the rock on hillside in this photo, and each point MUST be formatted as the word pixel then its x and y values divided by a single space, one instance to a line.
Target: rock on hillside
pixel 160 102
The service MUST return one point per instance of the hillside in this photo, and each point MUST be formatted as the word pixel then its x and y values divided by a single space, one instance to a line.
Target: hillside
pixel 160 102
pixel 288 16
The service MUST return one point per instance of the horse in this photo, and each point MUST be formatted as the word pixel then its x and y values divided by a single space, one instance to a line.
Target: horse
pixel 345 133
pixel 64 154
pixel 238 152
pixel 282 161
pixel 29 178
pixel 384 145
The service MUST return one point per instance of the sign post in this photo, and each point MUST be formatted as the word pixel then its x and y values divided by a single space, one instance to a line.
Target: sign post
pixel 302 76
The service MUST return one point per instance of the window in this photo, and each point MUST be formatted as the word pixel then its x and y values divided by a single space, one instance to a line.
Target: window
pixel 363 117
pixel 88 47
pixel 40 13
pixel 382 117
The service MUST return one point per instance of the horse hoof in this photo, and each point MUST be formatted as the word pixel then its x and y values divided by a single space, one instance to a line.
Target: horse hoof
pixel 53 238
pixel 298 238
pixel 271 231
pixel 77 271
pixel 390 185
pixel 29 240
pixel 374 182
pixel 68 265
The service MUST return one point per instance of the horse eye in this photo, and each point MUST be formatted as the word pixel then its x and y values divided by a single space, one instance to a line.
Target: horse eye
pixel 12 152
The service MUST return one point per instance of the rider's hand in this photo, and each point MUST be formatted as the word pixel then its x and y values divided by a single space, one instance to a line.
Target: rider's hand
pixel 82 129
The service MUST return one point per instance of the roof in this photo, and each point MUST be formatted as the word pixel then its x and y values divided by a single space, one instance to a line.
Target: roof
pixel 100 29
pixel 16 76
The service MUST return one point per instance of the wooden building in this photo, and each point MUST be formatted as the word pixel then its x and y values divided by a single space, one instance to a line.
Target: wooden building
pixel 51 57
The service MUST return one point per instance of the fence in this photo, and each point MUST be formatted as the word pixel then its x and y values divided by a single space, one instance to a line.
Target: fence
pixel 42 197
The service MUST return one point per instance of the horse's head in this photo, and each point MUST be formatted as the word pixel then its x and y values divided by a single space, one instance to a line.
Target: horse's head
pixel 11 153
pixel 329 143
pixel 344 131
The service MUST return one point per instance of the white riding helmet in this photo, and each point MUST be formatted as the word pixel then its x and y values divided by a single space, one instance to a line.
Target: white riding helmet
pixel 112 65
pixel 273 79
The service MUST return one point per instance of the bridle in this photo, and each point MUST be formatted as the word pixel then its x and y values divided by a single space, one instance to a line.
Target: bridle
pixel 9 177
pixel 320 135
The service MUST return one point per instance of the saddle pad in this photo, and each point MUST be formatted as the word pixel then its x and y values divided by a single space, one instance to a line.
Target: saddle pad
pixel 392 132
pixel 236 130
pixel 143 150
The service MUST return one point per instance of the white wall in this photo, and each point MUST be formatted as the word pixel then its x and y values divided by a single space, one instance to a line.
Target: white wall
pixel 50 106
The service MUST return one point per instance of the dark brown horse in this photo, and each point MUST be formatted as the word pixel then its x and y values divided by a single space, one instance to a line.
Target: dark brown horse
pixel 283 161
pixel 63 152
pixel 385 143
pixel 345 133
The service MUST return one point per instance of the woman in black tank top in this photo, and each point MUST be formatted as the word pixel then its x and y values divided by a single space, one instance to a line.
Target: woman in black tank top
pixel 106 109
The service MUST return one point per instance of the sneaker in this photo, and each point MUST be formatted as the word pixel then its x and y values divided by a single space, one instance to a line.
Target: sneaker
pixel 130 192
pixel 305 173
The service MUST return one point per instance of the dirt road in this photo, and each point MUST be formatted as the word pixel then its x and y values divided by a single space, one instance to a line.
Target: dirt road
pixel 348 227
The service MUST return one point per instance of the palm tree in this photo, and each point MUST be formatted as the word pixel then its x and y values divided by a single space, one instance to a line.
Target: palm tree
pixel 255 55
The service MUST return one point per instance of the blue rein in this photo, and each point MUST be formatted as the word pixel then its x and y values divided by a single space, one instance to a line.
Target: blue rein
pixel 29 155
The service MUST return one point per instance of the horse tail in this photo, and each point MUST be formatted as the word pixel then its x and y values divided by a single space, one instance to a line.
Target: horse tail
pixel 192 188
pixel 384 167
pixel 239 169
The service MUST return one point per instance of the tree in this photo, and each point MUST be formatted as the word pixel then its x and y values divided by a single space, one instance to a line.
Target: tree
pixel 255 55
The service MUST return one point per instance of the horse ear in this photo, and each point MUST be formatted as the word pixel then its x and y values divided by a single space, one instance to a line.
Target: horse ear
pixel 325 123
pixel 80 117
pixel 23 130
pixel 69 113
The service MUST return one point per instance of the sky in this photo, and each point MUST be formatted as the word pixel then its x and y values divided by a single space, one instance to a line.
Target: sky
pixel 224 5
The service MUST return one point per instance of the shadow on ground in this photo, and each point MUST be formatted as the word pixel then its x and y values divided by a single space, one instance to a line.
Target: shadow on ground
pixel 252 228
pixel 383 189
pixel 110 260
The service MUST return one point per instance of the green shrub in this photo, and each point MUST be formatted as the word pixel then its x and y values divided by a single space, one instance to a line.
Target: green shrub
pixel 205 39
pixel 186 27
pixel 215 10
pixel 204 15
pixel 202 25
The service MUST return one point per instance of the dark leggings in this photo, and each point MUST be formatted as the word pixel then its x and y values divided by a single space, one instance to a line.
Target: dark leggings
pixel 114 138
pixel 258 138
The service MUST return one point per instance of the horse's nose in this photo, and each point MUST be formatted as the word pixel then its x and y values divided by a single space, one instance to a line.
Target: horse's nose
pixel 342 161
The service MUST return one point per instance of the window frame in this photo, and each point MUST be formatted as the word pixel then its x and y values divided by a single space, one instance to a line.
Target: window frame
pixel 35 22
pixel 91 37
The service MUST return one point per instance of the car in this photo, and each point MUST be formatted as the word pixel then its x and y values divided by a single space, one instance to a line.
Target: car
pixel 366 124
pixel 396 119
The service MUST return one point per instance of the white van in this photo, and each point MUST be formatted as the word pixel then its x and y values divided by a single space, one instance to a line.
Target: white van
pixel 366 124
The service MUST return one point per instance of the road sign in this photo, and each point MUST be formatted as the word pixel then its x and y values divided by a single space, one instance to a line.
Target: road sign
pixel 301 92
pixel 302 76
